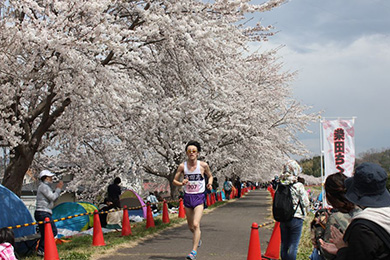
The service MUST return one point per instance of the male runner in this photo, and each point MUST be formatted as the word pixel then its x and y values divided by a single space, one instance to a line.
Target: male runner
pixel 193 172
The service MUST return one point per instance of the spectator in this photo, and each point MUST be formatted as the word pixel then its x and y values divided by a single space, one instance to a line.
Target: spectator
pixel 368 235
pixel 105 206
pixel 114 191
pixel 301 180
pixel 291 230
pixel 7 243
pixel 153 201
pixel 158 196
pixel 45 202
pixel 237 185
pixel 215 186
pixel 340 217
pixel 275 182
pixel 227 186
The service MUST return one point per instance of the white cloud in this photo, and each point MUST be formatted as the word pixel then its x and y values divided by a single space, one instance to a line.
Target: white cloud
pixel 344 80
pixel 349 80
pixel 341 50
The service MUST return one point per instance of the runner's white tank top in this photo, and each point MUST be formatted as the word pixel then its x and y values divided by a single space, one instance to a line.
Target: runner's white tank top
pixel 196 182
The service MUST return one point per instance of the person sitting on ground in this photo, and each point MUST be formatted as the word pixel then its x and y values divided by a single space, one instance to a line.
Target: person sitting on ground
pixel 153 201
pixel 7 243
pixel 105 206
pixel 45 202
pixel 340 216
pixel 158 196
pixel 368 235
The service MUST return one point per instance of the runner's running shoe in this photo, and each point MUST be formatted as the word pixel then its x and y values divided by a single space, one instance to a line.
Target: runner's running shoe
pixel 192 255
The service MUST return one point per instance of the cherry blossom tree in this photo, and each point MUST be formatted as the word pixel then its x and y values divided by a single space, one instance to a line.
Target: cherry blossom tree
pixel 118 87
pixel 54 72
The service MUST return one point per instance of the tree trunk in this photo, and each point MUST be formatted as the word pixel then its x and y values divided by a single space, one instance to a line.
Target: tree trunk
pixel 17 168
pixel 173 189
pixel 23 154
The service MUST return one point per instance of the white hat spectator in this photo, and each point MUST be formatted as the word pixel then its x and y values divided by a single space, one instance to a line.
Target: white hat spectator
pixel 46 173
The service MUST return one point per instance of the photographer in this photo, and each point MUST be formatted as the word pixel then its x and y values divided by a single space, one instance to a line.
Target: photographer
pixel 45 202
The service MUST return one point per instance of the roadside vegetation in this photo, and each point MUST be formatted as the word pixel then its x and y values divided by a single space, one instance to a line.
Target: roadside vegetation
pixel 312 166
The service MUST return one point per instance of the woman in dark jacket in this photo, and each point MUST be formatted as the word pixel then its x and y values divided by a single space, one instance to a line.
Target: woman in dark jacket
pixel 368 235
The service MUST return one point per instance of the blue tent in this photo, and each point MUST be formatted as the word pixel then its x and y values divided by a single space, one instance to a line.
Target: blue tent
pixel 79 223
pixel 13 212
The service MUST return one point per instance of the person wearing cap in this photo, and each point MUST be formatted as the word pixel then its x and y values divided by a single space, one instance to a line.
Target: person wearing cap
pixel 193 173
pixel 45 202
pixel 368 235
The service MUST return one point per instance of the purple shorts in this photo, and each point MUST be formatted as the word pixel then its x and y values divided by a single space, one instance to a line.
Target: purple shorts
pixel 193 200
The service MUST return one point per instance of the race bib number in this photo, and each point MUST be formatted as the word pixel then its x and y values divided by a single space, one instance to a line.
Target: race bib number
pixel 192 187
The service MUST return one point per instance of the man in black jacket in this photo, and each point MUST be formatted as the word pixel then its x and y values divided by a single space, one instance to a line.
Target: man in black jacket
pixel 114 191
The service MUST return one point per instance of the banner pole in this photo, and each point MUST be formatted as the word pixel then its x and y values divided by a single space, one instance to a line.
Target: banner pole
pixel 322 164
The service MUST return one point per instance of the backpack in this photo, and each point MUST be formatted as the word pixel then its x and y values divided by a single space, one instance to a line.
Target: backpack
pixel 282 205
pixel 227 186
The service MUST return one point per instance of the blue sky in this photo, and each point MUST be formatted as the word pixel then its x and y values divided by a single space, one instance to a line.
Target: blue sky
pixel 341 50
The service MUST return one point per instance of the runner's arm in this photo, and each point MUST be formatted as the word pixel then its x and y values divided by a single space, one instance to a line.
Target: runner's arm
pixel 209 175
pixel 179 172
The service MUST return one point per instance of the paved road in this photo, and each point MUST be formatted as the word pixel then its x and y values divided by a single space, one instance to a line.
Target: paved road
pixel 225 234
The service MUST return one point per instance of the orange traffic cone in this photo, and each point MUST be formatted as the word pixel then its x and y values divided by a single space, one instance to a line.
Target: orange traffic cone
pixel 165 217
pixel 273 249
pixel 271 190
pixel 97 239
pixel 126 228
pixel 149 217
pixel 208 203
pixel 254 251
pixel 182 213
pixel 51 252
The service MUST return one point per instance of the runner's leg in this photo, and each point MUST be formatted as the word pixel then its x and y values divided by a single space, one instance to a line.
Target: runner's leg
pixel 190 218
pixel 198 212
